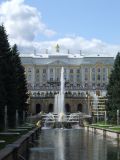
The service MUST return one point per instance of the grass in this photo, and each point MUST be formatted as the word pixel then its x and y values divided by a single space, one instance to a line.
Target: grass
pixel 12 138
pixel 104 125
pixel 8 139
pixel 115 129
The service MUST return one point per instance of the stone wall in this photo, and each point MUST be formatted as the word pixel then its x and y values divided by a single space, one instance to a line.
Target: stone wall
pixel 73 104
pixel 19 148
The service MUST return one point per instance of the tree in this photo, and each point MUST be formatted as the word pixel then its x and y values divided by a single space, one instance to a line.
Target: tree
pixel 113 91
pixel 21 84
pixel 8 76
pixel 2 101
pixel 13 86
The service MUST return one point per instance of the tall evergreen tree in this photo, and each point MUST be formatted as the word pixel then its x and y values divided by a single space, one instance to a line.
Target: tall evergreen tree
pixel 22 92
pixel 113 91
pixel 8 76
pixel 2 100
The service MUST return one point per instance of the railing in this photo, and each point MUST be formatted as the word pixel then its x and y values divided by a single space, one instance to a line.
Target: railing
pixel 67 88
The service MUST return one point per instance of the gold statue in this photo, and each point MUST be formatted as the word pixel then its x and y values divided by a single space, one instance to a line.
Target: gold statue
pixel 57 48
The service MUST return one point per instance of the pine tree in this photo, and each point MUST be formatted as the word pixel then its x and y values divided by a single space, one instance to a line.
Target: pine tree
pixel 8 76
pixel 4 51
pixel 21 84
pixel 2 100
pixel 113 91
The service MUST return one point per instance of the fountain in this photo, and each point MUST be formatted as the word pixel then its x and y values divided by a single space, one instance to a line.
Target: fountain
pixel 59 119
pixel 95 105
pixel 59 100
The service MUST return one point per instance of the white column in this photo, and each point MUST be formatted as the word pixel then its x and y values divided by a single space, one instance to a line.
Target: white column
pixel 90 77
pixel 107 74
pixel 82 75
pixel 67 73
pixel 48 73
pixel 40 75
pixel 53 73
pixel 74 75
pixel 33 76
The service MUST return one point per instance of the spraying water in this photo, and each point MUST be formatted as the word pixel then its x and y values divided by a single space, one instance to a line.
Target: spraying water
pixel 59 99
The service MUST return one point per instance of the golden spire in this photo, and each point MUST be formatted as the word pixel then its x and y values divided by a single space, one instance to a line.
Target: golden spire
pixel 57 48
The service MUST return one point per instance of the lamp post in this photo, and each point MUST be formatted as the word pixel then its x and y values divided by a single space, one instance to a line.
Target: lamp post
pixel 105 117
pixel 118 118
pixel 6 118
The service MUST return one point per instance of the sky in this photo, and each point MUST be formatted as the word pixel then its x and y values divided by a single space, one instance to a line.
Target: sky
pixel 92 26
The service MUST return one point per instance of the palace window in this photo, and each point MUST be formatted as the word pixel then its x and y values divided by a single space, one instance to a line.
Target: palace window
pixel 111 70
pixel 93 84
pixel 51 70
pixel 104 70
pixel 65 76
pixel 86 77
pixel 86 69
pixel 103 84
pixel 98 69
pixel 78 70
pixel 29 77
pixel 98 77
pixel 93 69
pixel 98 84
pixel 93 77
pixel 29 70
pixel 104 77
pixel 65 70
pixel 58 79
pixel 37 70
pixel 51 79
pixel 44 70
pixel 78 76
pixel 86 85
pixel 71 70
pixel 58 70
pixel 44 77
pixel 71 77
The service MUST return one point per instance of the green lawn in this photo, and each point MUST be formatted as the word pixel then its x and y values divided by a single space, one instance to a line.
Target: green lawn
pixel 12 138
pixel 102 125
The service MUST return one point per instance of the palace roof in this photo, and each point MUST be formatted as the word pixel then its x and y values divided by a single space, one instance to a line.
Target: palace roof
pixel 64 59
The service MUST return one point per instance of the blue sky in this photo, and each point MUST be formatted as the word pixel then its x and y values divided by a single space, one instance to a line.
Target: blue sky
pixel 87 18
pixel 88 25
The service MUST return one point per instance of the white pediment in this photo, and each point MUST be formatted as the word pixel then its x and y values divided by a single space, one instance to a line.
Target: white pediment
pixel 58 63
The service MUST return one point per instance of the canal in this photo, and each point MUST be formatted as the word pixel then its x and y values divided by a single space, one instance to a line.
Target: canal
pixel 73 144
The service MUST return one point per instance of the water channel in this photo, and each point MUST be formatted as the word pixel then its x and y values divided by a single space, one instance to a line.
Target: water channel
pixel 73 144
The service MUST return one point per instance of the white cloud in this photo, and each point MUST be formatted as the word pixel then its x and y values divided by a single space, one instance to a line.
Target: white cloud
pixel 23 23
pixel 74 44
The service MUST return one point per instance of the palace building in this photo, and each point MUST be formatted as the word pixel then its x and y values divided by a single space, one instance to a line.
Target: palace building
pixel 85 76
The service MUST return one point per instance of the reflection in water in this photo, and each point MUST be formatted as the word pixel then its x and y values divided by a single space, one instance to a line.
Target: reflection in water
pixel 74 144
pixel 59 145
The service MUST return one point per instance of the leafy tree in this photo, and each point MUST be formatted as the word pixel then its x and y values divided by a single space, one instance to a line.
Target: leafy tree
pixel 113 91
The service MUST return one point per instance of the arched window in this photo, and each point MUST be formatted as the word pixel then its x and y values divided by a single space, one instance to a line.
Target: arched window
pixel 98 77
pixel 38 108
pixel 50 108
pixel 98 69
pixel 37 70
pixel 79 107
pixel 67 108
pixel 93 69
